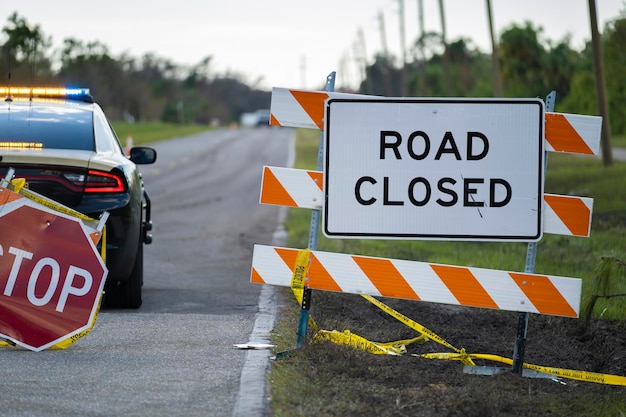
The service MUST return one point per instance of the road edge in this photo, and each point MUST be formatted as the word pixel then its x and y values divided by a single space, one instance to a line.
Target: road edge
pixel 252 399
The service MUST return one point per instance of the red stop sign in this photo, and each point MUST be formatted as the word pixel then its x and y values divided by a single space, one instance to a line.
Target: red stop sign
pixel 51 276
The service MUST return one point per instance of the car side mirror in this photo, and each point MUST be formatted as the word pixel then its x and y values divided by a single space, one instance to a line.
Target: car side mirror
pixel 143 155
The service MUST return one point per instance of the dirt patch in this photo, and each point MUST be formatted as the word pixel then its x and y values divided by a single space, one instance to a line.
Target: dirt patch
pixel 341 381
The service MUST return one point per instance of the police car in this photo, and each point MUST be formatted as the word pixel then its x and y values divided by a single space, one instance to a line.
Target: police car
pixel 61 142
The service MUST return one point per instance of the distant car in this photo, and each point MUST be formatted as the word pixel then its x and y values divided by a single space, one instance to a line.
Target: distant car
pixel 263 118
pixel 62 143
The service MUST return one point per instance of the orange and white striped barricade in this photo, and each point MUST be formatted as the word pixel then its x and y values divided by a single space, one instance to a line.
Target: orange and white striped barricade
pixel 573 133
pixel 525 292
pixel 421 281
pixel 569 133
pixel 290 187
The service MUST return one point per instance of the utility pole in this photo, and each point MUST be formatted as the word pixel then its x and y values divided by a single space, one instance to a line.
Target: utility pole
pixel 497 78
pixel 403 47
pixel 383 33
pixel 343 71
pixel 446 58
pixel 386 56
pixel 361 56
pixel 598 69
pixel 422 40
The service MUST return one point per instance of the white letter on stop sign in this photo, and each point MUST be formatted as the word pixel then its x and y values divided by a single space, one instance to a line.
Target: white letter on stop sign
pixel 68 287
pixel 68 283
pixel 32 281
pixel 19 255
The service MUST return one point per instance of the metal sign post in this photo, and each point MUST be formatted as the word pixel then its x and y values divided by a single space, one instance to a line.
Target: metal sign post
pixel 531 255
pixel 303 323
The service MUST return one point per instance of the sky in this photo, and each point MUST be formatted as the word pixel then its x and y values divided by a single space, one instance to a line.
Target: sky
pixel 291 43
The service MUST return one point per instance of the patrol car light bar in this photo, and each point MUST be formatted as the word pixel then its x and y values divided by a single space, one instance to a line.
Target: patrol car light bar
pixel 44 91
pixel 21 145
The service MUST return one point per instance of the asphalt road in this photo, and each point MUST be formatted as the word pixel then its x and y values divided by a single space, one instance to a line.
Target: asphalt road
pixel 619 154
pixel 174 356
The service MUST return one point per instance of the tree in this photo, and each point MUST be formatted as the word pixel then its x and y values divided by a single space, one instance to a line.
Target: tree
pixel 382 78
pixel 469 70
pixel 523 61
pixel 598 70
pixel 561 64
pixel 24 56
pixel 498 89
pixel 90 65
pixel 615 68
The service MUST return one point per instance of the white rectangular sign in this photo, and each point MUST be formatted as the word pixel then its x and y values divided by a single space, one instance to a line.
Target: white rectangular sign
pixel 445 169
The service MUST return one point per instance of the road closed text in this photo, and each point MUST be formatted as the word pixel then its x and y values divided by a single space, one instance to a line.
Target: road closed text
pixel 446 191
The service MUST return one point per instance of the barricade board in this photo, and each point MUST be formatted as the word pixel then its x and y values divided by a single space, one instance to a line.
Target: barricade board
pixel 468 286
pixel 420 281
pixel 290 187
pixel 570 133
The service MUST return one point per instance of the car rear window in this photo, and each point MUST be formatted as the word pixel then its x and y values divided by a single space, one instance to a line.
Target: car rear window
pixel 51 126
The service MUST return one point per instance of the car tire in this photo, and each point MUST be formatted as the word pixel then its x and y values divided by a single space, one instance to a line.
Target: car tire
pixel 127 294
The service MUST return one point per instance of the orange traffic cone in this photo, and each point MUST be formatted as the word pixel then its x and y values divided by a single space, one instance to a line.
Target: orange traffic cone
pixel 129 145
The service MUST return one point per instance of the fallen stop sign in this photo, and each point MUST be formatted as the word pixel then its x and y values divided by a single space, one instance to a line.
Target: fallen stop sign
pixel 51 276
pixel 446 169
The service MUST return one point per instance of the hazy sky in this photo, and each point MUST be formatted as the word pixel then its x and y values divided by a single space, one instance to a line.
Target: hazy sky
pixel 289 43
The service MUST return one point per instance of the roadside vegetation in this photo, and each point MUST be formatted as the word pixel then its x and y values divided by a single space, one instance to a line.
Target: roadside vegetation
pixel 149 132
pixel 326 379
pixel 154 88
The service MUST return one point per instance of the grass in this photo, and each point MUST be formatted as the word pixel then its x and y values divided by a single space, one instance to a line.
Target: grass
pixel 618 141
pixel 150 132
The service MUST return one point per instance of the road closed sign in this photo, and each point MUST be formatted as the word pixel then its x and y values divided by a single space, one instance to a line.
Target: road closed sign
pixel 442 169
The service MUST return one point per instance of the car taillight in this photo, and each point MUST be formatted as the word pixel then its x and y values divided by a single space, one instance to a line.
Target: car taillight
pixel 103 182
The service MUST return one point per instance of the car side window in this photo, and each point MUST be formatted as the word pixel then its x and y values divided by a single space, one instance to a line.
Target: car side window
pixel 104 137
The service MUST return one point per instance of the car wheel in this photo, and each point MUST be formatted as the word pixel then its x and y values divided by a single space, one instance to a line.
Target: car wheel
pixel 127 294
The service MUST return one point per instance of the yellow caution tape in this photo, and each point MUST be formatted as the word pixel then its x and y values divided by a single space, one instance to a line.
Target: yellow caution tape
pixel 353 340
pixel 298 279
pixel 298 283
pixel 18 184
pixel 53 205
pixel 418 328
pixel 103 247
pixel 559 372
pixel 579 375
pixel 299 273
pixel 348 338
pixel 402 344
